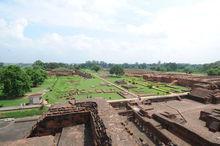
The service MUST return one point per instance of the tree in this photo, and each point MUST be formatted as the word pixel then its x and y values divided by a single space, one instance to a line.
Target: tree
pixel 117 70
pixel 37 75
pixel 77 67
pixel 96 68
pixel 1 74
pixel 214 71
pixel 1 64
pixel 39 63
pixel 15 81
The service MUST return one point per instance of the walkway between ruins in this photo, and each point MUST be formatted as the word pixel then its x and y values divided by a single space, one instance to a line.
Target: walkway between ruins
pixel 11 108
pixel 151 97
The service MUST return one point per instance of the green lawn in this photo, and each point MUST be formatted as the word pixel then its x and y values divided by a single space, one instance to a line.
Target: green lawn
pixel 147 87
pixel 65 84
pixel 13 102
pixel 59 87
pixel 107 96
pixel 23 113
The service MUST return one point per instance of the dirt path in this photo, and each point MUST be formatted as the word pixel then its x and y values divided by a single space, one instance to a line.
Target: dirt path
pixel 150 97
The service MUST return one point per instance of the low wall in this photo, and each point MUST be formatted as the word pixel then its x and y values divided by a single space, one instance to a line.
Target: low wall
pixel 183 132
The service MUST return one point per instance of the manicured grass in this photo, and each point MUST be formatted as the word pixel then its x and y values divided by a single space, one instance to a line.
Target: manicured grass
pixel 58 87
pixel 13 102
pixel 147 87
pixel 23 113
pixel 62 86
pixel 46 85
pixel 65 84
pixel 107 96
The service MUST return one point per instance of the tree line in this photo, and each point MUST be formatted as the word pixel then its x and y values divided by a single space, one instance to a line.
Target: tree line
pixel 210 69
pixel 15 81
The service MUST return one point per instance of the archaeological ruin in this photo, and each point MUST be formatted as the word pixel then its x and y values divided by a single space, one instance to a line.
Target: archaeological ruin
pixel 172 120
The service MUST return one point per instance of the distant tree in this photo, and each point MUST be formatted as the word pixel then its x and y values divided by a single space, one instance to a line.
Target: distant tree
pixel 1 64
pixel 1 74
pixel 77 67
pixel 37 75
pixel 214 71
pixel 117 70
pixel 96 68
pixel 39 63
pixel 15 81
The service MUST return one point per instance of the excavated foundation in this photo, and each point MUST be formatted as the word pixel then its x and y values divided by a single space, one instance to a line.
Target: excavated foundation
pixel 53 122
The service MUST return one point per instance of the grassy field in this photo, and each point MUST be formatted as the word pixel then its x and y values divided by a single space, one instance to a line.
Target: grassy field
pixel 87 88
pixel 58 89
pixel 147 87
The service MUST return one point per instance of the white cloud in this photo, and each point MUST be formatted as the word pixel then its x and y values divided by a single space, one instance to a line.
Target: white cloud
pixel 187 33
pixel 12 29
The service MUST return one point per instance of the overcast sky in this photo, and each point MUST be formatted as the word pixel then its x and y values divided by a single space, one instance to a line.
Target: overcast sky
pixel 117 31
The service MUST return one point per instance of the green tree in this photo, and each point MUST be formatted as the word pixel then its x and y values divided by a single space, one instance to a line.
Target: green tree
pixel 38 63
pixel 213 71
pixel 96 68
pixel 15 81
pixel 117 70
pixel 37 75
pixel 1 64
pixel 1 74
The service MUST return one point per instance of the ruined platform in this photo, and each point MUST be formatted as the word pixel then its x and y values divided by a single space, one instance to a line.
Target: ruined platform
pixel 168 121
pixel 88 123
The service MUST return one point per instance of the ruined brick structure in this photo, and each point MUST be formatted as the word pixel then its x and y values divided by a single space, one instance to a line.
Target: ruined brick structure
pixel 83 74
pixel 69 73
pixel 88 120
pixel 172 121
pixel 212 119
pixel 61 72
pixel 185 80
pixel 205 89
pixel 69 115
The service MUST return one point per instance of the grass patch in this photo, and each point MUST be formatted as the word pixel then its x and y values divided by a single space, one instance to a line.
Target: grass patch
pixel 23 113
pixel 145 87
pixel 65 84
pixel 107 96
pixel 13 102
